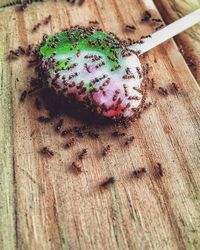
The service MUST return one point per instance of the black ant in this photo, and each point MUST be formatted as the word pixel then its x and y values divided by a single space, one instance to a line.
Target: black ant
pixel 106 150
pixel 105 184
pixel 47 152
pixel 23 96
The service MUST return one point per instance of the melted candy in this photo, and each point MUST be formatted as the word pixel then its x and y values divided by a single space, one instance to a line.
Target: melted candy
pixel 91 63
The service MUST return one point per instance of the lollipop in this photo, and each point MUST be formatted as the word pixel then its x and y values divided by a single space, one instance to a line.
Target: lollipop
pixel 97 68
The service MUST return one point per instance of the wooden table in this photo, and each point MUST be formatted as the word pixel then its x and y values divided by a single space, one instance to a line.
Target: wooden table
pixel 43 205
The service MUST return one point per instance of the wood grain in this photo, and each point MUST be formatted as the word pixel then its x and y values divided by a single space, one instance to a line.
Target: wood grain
pixel 7 178
pixel 189 41
pixel 46 206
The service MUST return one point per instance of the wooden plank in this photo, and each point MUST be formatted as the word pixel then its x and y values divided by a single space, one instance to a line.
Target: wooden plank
pixel 189 41
pixel 56 209
pixel 7 187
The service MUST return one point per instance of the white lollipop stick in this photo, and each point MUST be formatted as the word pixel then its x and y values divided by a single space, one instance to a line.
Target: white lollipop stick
pixel 168 32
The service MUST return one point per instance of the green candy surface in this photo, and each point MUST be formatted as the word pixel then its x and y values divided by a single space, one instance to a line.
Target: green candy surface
pixel 70 42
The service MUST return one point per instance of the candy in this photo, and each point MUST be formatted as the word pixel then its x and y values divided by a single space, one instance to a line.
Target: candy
pixel 95 67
